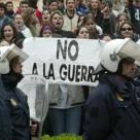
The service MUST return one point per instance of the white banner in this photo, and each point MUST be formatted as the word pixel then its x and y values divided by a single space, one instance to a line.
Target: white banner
pixel 62 60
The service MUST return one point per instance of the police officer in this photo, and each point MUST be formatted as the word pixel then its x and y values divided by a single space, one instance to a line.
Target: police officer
pixel 15 99
pixel 112 111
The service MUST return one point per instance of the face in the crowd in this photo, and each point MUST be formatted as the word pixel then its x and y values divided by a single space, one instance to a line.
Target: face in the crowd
pixel 8 33
pixel 129 69
pixel 90 26
pixel 57 21
pixel 127 31
pixel 122 19
pixel 46 33
pixel 94 4
pixel 2 12
pixel 53 6
pixel 10 7
pixel 18 20
pixel 83 33
pixel 16 65
pixel 23 7
pixel 45 17
pixel 70 5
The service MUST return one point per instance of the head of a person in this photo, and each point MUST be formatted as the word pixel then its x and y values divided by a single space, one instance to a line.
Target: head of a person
pixel 52 5
pixel 16 65
pixel 2 9
pixel 127 67
pixel 121 18
pixel 8 32
pixel 70 5
pixel 9 6
pixel 94 4
pixel 29 17
pixel 82 32
pixel 24 5
pixel 18 21
pixel 127 30
pixel 56 20
pixel 45 17
pixel 89 23
pixel 46 31
pixel 119 56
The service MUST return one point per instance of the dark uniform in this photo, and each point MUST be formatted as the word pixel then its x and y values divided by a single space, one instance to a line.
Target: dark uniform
pixel 113 110
pixel 5 131
pixel 17 106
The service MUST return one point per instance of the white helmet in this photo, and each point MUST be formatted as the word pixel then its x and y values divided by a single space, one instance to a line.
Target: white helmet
pixel 117 49
pixel 7 53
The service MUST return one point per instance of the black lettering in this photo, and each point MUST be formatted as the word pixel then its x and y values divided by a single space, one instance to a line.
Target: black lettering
pixel 77 74
pixel 63 74
pixel 73 43
pixel 34 70
pixel 83 73
pixel 61 49
pixel 51 72
pixel 71 72
pixel 90 74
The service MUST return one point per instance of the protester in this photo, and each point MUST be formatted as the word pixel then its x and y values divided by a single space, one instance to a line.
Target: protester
pixel 10 9
pixel 10 35
pixel 21 27
pixel 112 109
pixel 57 21
pixel 121 18
pixel 82 32
pixel 70 17
pixel 3 18
pixel 46 31
pixel 127 30
pixel 31 21
pixel 45 18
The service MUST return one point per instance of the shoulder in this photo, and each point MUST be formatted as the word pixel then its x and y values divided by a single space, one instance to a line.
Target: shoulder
pixel 100 93
pixel 21 94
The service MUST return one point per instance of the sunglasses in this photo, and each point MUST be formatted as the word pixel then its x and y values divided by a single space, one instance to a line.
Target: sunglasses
pixel 126 29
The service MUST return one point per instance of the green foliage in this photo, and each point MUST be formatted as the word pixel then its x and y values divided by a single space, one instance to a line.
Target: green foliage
pixel 62 137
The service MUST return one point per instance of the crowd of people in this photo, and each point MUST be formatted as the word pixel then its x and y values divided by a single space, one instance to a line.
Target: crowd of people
pixel 108 20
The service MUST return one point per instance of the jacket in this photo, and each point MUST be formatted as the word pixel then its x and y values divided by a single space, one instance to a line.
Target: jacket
pixel 17 106
pixel 75 94
pixel 5 131
pixel 113 110
pixel 70 23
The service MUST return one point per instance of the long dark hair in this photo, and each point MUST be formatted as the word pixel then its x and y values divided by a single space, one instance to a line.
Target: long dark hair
pixel 14 31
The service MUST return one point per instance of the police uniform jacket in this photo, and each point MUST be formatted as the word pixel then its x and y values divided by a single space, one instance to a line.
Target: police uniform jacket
pixel 17 106
pixel 113 110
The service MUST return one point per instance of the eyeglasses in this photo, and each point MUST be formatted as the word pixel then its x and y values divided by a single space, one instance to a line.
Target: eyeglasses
pixel 126 29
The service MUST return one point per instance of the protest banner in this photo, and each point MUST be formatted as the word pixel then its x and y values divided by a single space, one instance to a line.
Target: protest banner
pixel 62 60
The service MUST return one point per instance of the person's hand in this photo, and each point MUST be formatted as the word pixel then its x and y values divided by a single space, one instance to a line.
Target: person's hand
pixel 33 128
pixel 106 12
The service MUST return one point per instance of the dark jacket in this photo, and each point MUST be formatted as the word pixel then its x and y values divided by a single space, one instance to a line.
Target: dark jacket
pixel 64 33
pixel 5 131
pixel 17 105
pixel 113 111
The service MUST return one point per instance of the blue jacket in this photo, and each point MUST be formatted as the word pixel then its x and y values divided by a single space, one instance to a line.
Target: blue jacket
pixel 113 111
pixel 17 108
